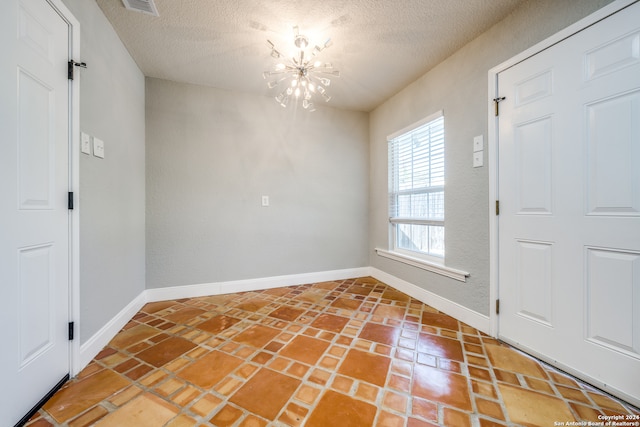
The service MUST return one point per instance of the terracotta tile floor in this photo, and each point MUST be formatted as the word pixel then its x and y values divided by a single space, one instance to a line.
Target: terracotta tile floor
pixel 347 353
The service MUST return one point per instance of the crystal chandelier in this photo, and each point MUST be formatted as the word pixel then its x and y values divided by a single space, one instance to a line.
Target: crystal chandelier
pixel 300 76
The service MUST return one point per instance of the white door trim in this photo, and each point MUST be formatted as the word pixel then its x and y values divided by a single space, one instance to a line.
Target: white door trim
pixel 494 194
pixel 74 185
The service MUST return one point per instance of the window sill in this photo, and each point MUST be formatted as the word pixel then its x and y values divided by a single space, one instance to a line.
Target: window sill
pixel 425 265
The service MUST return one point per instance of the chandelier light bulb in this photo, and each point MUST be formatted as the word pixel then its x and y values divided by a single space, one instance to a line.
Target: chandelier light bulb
pixel 297 71
pixel 301 42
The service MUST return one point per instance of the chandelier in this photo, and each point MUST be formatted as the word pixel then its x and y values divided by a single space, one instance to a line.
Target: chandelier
pixel 300 76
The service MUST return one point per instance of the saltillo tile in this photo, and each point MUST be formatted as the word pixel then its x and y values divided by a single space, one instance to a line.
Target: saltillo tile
pixel 166 351
pixel 76 397
pixel 365 366
pixel 441 386
pixel 337 406
pixel 508 359
pixel 274 390
pixel 210 369
pixel 145 410
pixel 305 349
pixel 525 407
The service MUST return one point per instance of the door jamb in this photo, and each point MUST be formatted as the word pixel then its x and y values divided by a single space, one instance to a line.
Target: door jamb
pixel 492 120
pixel 74 185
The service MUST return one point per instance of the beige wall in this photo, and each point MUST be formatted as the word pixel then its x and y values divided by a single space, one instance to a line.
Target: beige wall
pixel 112 193
pixel 212 154
pixel 459 86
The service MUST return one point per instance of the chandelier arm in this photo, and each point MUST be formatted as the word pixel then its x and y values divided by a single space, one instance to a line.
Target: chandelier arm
pixel 334 73
pixel 319 81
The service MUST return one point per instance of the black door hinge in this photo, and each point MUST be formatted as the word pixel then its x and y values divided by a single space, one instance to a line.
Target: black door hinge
pixel 70 200
pixel 72 64
pixel 497 306
pixel 71 328
pixel 496 101
pixel 497 207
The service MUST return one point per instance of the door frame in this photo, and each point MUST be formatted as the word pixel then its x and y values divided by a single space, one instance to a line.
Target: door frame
pixel 74 185
pixel 493 159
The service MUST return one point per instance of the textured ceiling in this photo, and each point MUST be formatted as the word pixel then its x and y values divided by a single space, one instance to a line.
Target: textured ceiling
pixel 379 46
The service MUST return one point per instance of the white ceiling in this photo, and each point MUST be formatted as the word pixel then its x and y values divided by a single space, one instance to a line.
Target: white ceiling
pixel 379 46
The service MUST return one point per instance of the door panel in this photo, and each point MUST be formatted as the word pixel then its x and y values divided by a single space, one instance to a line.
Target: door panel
pixel 36 142
pixel 613 183
pixel 613 56
pixel 36 284
pixel 569 189
pixel 534 284
pixel 609 314
pixel 534 159
pixel 34 160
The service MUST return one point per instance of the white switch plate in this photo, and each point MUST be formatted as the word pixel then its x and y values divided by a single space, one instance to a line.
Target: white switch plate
pixel 265 201
pixel 85 143
pixel 478 143
pixel 478 158
pixel 98 147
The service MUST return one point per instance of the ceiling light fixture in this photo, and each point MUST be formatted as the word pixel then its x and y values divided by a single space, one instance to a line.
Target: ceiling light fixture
pixel 300 76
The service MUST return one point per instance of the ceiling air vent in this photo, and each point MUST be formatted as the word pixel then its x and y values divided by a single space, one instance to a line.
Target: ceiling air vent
pixel 144 6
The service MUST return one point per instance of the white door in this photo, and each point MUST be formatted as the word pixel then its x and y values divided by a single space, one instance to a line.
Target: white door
pixel 34 183
pixel 569 191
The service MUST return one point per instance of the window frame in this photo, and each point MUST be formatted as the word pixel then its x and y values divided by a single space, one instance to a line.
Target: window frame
pixel 394 220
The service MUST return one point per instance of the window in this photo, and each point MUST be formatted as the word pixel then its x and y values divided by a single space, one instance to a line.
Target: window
pixel 416 189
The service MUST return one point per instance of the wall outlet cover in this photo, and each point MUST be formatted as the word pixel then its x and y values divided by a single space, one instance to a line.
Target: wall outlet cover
pixel 478 143
pixel 85 143
pixel 478 159
pixel 98 147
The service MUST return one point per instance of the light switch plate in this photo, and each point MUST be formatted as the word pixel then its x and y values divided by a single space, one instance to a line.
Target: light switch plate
pixel 265 201
pixel 478 159
pixel 98 147
pixel 85 143
pixel 478 143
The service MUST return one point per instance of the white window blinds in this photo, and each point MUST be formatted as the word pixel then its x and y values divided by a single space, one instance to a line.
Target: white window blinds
pixel 416 187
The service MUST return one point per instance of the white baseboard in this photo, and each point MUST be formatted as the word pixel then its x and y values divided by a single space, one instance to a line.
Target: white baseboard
pixel 100 339
pixel 204 289
pixel 464 314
